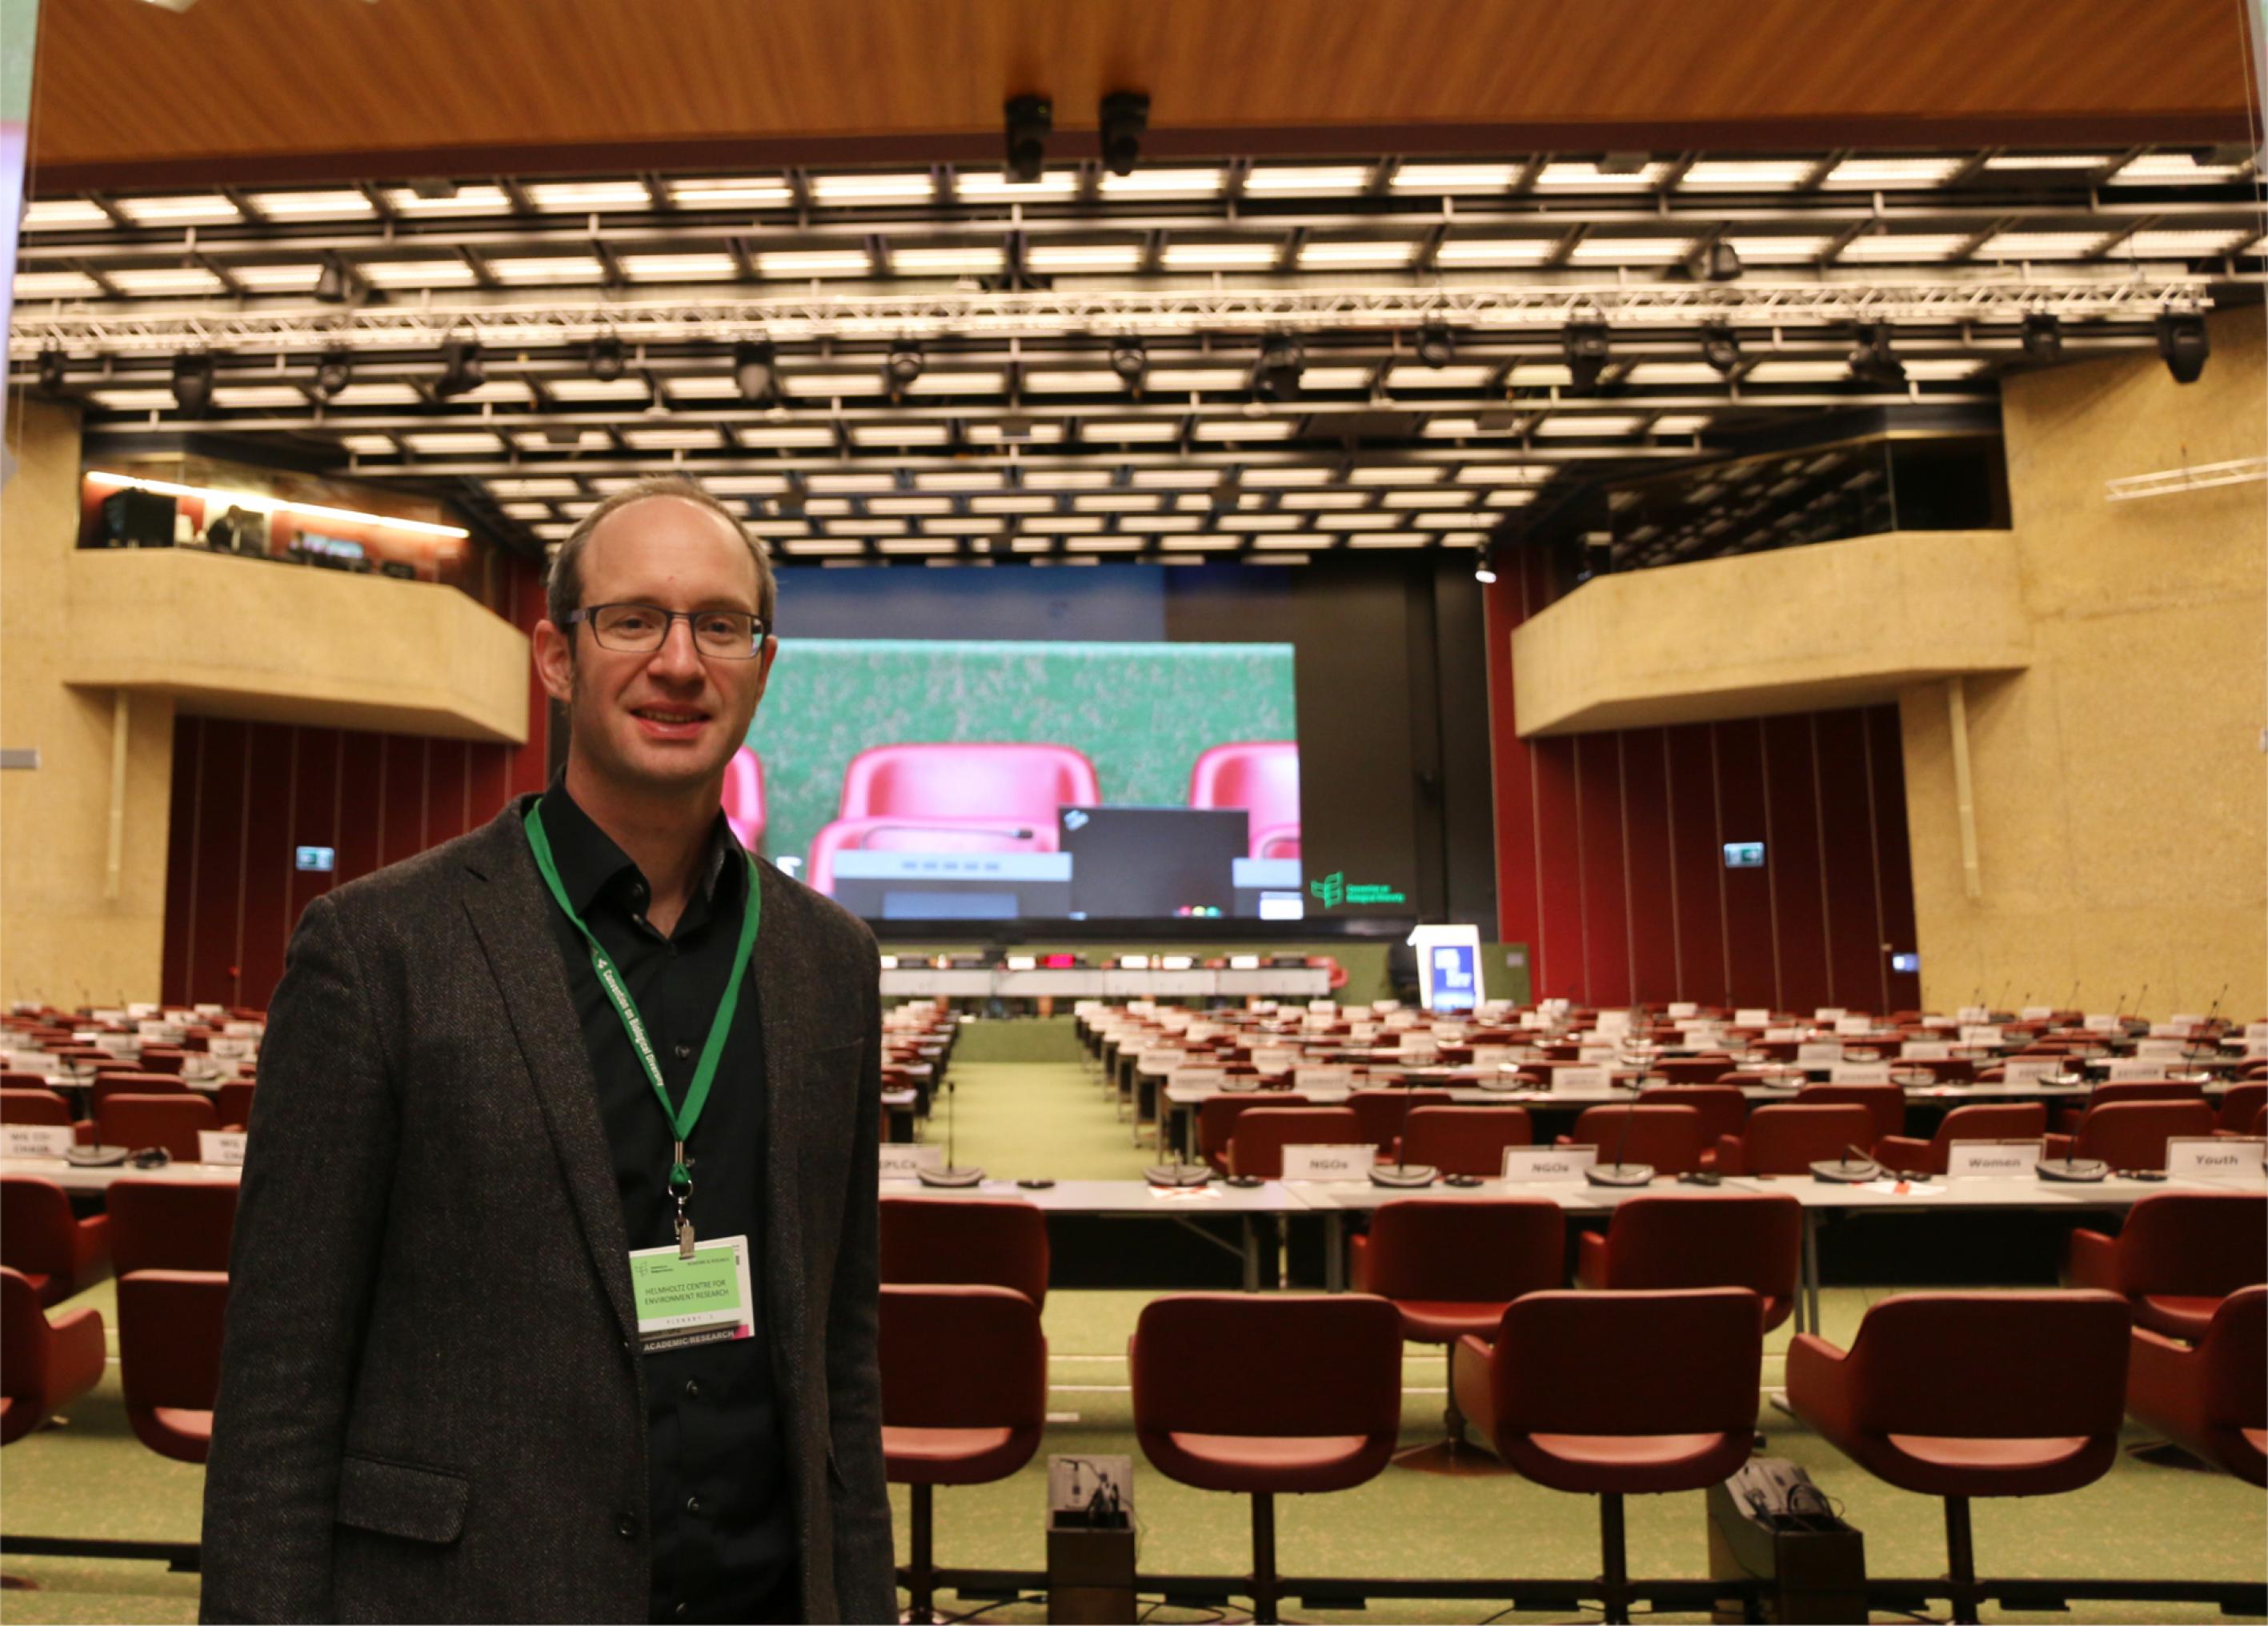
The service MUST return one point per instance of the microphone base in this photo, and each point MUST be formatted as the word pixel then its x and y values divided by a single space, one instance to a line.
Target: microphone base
pixel 2072 1171
pixel 1171 1176
pixel 1619 1174
pixel 950 1178
pixel 1401 1176
pixel 1836 1172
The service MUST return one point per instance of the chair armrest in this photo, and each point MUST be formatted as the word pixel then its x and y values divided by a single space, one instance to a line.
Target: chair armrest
pixel 79 1350
pixel 2091 1261
pixel 1591 1259
pixel 1730 1158
pixel 1819 1384
pixel 90 1244
pixel 1903 1152
pixel 2058 1146
pixel 1359 1263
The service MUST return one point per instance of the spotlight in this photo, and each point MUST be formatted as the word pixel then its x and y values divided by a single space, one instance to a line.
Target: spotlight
pixel 1130 361
pixel 1585 345
pixel 903 368
pixel 1484 568
pixel 1437 346
pixel 2043 336
pixel 755 371
pixel 1713 261
pixel 52 369
pixel 461 369
pixel 1031 120
pixel 193 383
pixel 1720 347
pixel 334 373
pixel 335 283
pixel 607 358
pixel 1125 119
pixel 1871 360
pixel 1281 362
pixel 2182 341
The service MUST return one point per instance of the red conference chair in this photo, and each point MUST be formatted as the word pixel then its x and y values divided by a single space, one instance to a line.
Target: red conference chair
pixel 1723 1110
pixel 1262 1393
pixel 1668 1240
pixel 744 798
pixel 1991 1120
pixel 1383 1113
pixel 47 1110
pixel 1569 1394
pixel 1885 1102
pixel 2133 1134
pixel 2177 1256
pixel 2071 1118
pixel 161 1059
pixel 1261 776
pixel 964 1399
pixel 1256 1145
pixel 1449 1267
pixel 169 1120
pixel 1216 1116
pixel 1466 1140
pixel 1692 1069
pixel 43 1364
pixel 925 835
pixel 1789 1139
pixel 132 1083
pixel 170 1225
pixel 2209 1400
pixel 169 1339
pixel 41 1239
pixel 2040 1416
pixel 233 1104
pixel 2240 1106
pixel 1670 1137
pixel 965 1242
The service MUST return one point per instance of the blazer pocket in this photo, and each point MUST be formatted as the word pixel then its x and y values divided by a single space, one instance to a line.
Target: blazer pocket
pixel 397 1499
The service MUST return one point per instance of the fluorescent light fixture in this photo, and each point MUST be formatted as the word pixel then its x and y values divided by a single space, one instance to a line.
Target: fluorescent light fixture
pixel 1032 544
pixel 2173 169
pixel 1503 474
pixel 1307 500
pixel 851 483
pixel 909 505
pixel 276 279
pixel 1680 423
pixel 693 438
pixel 960 480
pixel 1428 498
pixel 1890 174
pixel 1294 179
pixel 777 527
pixel 1673 373
pixel 463 201
pixel 1510 499
pixel 1033 433
pixel 259 395
pixel 702 387
pixel 1261 522
pixel 276 505
pixel 136 399
pixel 57 285
pixel 1395 475
pixel 596 389
pixel 827 384
pixel 63 214
pixel 1453 177
pixel 916 545
pixel 866 527
pixel 1067 479
pixel 1452 378
pixel 1219 256
pixel 679 268
pixel 1060 259
pixel 1175 479
pixel 178 211
pixel 1287 474
pixel 1285 544
pixel 722 485
pixel 1494 251
pixel 815 262
pixel 1355 255
pixel 1934 368
pixel 1014 503
pixel 1591 178
pixel 1129 430
pixel 975 524
pixel 1244 429
pixel 527 510
pixel 1199 544
pixel 935 383
pixel 1121 503
pixel 816 545
pixel 1159 524
pixel 1446 519
pixel 331 205
pixel 899 434
pixel 2039 244
pixel 1375 520
pixel 416 272
pixel 783 436
pixel 453 442
pixel 1744 174
pixel 817 506
pixel 1195 380
pixel 947 262
pixel 580 197
pixel 1335 378
pixel 370 445
pixel 157 282
pixel 1099 381
pixel 2047 160
pixel 1587 424
pixel 540 485
pixel 554 531
pixel 1399 540
pixel 1780 250
pixel 1145 182
pixel 377 395
pixel 1114 544
pixel 1631 250
pixel 2140 246
pixel 851 191
pixel 1464 429
pixel 1064 525
pixel 1798 373
pixel 991 187
pixel 730 192
pixel 1916 246
pixel 548 269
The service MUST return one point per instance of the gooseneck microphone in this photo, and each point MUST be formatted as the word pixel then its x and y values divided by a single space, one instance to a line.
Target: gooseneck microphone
pixel 1854 1168
pixel 1619 1172
pixel 952 1175
pixel 1402 1173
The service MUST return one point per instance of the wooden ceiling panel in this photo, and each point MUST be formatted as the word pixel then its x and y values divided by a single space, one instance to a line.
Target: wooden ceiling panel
pixel 127 92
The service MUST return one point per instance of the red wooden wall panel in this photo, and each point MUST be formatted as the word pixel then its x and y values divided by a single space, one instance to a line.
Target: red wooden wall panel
pixel 1795 862
pixel 1605 928
pixel 180 843
pixel 263 917
pixel 1653 875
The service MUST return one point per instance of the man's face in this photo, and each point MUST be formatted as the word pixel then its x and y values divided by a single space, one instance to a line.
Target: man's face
pixel 670 719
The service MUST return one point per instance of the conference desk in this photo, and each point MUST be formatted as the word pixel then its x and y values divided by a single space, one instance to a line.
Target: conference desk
pixel 1106 982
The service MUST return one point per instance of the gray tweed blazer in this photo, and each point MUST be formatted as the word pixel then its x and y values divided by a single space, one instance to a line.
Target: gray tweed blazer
pixel 431 1404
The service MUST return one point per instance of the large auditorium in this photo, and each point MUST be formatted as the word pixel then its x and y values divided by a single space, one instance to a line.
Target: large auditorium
pixel 1511 862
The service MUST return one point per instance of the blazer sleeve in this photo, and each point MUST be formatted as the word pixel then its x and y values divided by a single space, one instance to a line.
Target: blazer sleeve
pixel 310 1223
pixel 865 1571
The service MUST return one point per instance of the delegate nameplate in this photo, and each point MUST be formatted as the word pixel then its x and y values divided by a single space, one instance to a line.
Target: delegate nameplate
pixel 1999 1159
pixel 904 1161
pixel 225 1146
pixel 1577 1081
pixel 1329 1162
pixel 1548 1163
pixel 35 1140
pixel 2226 1159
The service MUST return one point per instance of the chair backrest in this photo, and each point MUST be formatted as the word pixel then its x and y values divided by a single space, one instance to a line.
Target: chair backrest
pixel 133 1084
pixel 22 1081
pixel 744 797
pixel 1591 1362
pixel 1268 1363
pixel 2144 1090
pixel 170 1324
pixel 2241 1103
pixel 1886 1102
pixel 1719 1240
pixel 170 1225
pixel 1382 1113
pixel 1723 1109
pixel 2232 1355
pixel 169 1120
pixel 1466 1140
pixel 40 1107
pixel 1447 1250
pixel 2133 1134
pixel 38 1232
pixel 1216 1116
pixel 1692 1069
pixel 24 1338
pixel 982 781
pixel 1989 1121
pixel 962 1356
pixel 966 1242
pixel 1261 776
pixel 1669 1137
pixel 2033 1366
pixel 1255 1146
pixel 1789 1139
pixel 2192 1244
pixel 232 1103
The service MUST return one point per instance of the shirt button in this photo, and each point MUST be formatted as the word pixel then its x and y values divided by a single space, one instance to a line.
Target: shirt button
pixel 693 1388
pixel 626 1527
pixel 693 1504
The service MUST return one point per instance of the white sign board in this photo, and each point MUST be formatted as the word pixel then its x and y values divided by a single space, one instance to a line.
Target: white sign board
pixel 1683 1008
pixel 1854 1025
pixel 1925 1050
pixel 2102 1024
pixel 1275 1058
pixel 1829 1013
pixel 220 1146
pixel 1321 1075
pixel 1197 1078
pixel 1448 967
pixel 34 1140
pixel 1973 1013
pixel 230 1049
pixel 1329 1162
pixel 2164 1049
pixel 1860 1072
pixel 902 1161
pixel 1613 1022
pixel 1578 1079
pixel 1979 1033
pixel 1752 1015
pixel 2025 1074
pixel 1825 1050
pixel 1973 1160
pixel 2126 1070
pixel 1548 1163
pixel 2228 1160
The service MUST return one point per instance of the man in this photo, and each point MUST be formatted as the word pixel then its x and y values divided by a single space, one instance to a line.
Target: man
pixel 532 1106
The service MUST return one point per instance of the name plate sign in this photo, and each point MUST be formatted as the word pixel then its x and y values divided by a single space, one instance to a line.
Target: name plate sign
pixel 2128 1071
pixel 34 1140
pixel 230 1049
pixel 220 1147
pixel 243 1030
pixel 1925 1050
pixel 2169 1030
pixel 1614 1022
pixel 117 1044
pixel 2255 1033
pixel 2164 1049
pixel 1973 1013
pixel 1577 1081
pixel 1854 1025
pixel 1596 1053
pixel 2226 1158
pixel 2028 1074
pixel 2037 1013
pixel 1196 1078
pixel 1540 1164
pixel 1321 1075
pixel 2102 1024
pixel 1860 1072
pixel 1160 1058
pixel 1979 1033
pixel 1829 1013
pixel 1683 1007
pixel 1752 1015
pixel 905 1162
pixel 1329 1162
pixel 1787 1035
pixel 1275 1058
pixel 1821 1051
pixel 1972 1160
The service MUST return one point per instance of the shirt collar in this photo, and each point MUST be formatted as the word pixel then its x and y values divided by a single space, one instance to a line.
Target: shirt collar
pixel 592 866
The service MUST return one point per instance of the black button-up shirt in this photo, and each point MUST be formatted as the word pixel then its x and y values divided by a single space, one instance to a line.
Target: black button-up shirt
pixel 723 1543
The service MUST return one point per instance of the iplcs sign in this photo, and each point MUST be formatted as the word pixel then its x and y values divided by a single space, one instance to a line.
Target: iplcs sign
pixel 1333 890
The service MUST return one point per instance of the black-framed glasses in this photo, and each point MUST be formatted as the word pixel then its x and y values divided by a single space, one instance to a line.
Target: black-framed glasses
pixel 642 629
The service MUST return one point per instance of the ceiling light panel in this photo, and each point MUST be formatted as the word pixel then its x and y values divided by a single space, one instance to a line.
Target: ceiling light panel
pixel 547 271
pixel 1508 497
pixel 957 384
pixel 1175 479
pixel 1631 250
pixel 1311 501
pixel 1458 178
pixel 851 483
pixel 783 436
pixel 370 445
pixel 2162 245
pixel 595 389
pixel 237 397
pixel 1588 424
pixel 134 399
pixel 452 442
pixel 55 285
pixel 1287 474
pixel 992 186
pixel 155 282
pixel 966 525
pixel 960 480
pixel 1014 503
pixel 918 545
pixel 1132 430
pixel 542 485
pixel 1032 433
pixel 1890 174
pixel 2049 161
pixel 549 440
pixel 276 279
pixel 1428 498
pixel 899 435
pixel 1149 183
pixel 690 437
pixel 819 546
pixel 578 197
pixel 1305 181
pixel 1780 250
pixel 2040 246
pixel 1409 378
pixel 1067 479
pixel 967 262
pixel 1098 381
pixel 1494 251
pixel 64 214
pixel 1680 423
pixel 1090 258
pixel 1591 178
pixel 198 210
pixel 1352 256
pixel 417 273
pixel 679 268
pixel 1920 246
pixel 732 192
pixel 1395 475
pixel 857 191
pixel 796 263
pixel 1244 429
pixel 701 386
pixel 2173 169
pixel 1064 525
pixel 464 200
pixel 1398 539
pixel 866 527
pixel 825 385
pixel 1503 474
pixel 1119 502
pixel 1219 256
pixel 1745 174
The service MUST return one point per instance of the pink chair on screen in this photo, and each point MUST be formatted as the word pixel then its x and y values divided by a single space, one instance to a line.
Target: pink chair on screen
pixel 1261 776
pixel 953 797
pixel 744 797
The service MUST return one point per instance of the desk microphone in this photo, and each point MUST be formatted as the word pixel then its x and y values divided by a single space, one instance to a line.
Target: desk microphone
pixel 1619 1172
pixel 1855 1168
pixel 2138 999
pixel 1403 1174
pixel 2072 1171
pixel 950 1175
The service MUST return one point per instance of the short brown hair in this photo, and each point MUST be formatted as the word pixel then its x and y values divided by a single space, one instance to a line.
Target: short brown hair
pixel 564 591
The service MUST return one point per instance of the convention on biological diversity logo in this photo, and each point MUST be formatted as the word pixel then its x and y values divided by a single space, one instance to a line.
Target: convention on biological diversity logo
pixel 1333 890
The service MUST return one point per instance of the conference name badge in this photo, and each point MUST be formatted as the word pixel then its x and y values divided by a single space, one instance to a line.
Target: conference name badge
pixel 704 1299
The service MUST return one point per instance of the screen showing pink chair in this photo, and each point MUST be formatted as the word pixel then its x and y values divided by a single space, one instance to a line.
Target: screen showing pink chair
pixel 1262 778
pixel 972 797
pixel 744 798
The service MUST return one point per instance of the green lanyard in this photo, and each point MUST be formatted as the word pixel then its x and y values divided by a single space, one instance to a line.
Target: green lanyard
pixel 704 1073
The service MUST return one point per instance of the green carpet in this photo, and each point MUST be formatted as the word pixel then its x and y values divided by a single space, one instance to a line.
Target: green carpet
pixel 89 1476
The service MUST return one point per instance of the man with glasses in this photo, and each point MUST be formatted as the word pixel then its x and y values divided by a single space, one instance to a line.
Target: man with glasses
pixel 553 1293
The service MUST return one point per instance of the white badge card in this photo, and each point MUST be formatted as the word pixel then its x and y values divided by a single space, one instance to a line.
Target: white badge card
pixel 34 1140
pixel 220 1147
pixel 2025 1074
pixel 903 1160
pixel 1579 1080
pixel 2226 1159
pixel 704 1299
pixel 1330 1162
pixel 1548 1163
pixel 1973 1160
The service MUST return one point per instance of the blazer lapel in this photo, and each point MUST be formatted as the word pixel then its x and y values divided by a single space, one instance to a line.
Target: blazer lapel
pixel 785 1044
pixel 509 914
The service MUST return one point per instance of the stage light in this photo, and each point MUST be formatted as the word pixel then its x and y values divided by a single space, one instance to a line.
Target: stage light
pixel 337 282
pixel 756 371
pixel 1437 346
pixel 53 366
pixel 1585 345
pixel 1484 568
pixel 1125 120
pixel 1871 360
pixel 1714 261
pixel 1130 361
pixel 334 373
pixel 1720 347
pixel 2043 336
pixel 193 383
pixel 462 371
pixel 607 358
pixel 1031 120
pixel 1282 360
pixel 904 366
pixel 2182 341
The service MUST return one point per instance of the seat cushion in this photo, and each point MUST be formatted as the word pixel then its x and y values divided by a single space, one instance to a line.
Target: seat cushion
pixel 1940 1465
pixel 1275 1462
pixel 928 1456
pixel 1444 1321
pixel 1640 1463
